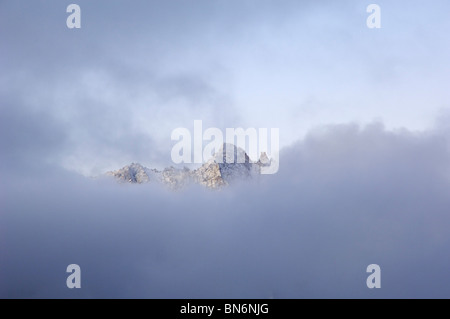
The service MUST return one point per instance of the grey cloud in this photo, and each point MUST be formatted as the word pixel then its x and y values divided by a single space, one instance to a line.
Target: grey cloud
pixel 344 198
pixel 107 90
pixel 133 73
pixel 27 136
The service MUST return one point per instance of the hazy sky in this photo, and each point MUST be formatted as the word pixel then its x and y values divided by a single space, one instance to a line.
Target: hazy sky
pixel 116 88
pixel 364 173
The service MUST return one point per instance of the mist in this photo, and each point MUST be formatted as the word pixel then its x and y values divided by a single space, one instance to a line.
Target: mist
pixel 345 197
pixel 363 174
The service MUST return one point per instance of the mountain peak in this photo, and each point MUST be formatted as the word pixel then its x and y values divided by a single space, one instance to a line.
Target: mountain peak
pixel 228 165
pixel 133 173
pixel 231 154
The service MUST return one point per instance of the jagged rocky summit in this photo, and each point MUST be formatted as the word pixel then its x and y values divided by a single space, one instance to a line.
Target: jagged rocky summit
pixel 228 165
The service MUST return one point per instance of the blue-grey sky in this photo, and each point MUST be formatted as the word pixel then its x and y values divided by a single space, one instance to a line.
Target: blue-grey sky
pixel 118 86
pixel 364 171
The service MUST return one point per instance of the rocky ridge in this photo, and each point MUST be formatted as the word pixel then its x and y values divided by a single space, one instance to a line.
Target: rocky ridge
pixel 230 164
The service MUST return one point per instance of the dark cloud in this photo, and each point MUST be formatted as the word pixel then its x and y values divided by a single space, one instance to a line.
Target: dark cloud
pixel 344 198
pixel 27 136
pixel 109 85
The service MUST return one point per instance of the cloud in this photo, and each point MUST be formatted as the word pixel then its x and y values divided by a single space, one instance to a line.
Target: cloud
pixel 119 85
pixel 28 137
pixel 345 197
pixel 115 101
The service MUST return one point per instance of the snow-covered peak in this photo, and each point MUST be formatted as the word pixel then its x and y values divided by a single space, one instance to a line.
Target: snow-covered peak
pixel 231 154
pixel 228 165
